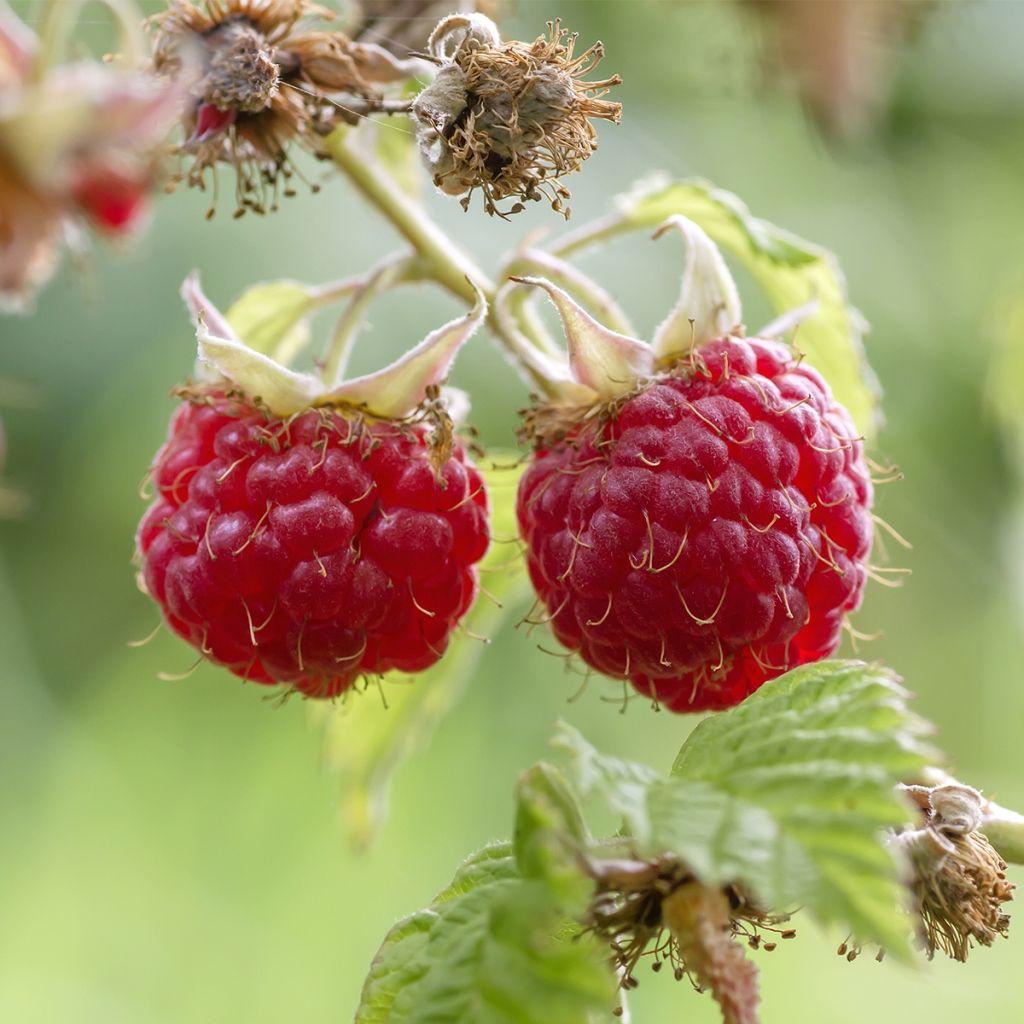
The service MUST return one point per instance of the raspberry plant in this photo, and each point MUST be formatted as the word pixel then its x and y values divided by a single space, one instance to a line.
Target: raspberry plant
pixel 694 510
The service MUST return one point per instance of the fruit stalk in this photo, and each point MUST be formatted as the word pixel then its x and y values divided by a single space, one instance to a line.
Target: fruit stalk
pixel 441 260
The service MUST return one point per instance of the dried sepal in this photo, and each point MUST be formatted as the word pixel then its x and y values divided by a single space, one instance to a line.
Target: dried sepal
pixel 406 27
pixel 509 119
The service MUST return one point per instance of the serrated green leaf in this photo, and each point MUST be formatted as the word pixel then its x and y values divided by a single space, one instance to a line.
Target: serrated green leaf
pixel 790 272
pixel 623 784
pixel 550 835
pixel 268 315
pixel 365 744
pixel 789 794
pixel 491 949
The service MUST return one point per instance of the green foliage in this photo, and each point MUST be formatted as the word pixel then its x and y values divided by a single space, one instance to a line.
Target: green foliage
pixel 271 317
pixel 790 271
pixel 788 794
pixel 365 744
pixel 549 833
pixel 491 949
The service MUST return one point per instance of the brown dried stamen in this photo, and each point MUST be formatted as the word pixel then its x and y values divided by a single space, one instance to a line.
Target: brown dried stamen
pixel 959 881
pixel 639 907
pixel 511 119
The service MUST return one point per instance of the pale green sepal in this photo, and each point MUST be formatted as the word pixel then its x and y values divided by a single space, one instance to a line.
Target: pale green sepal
pixel 551 368
pixel 282 391
pixel 788 269
pixel 709 303
pixel 202 310
pixel 607 362
pixel 399 388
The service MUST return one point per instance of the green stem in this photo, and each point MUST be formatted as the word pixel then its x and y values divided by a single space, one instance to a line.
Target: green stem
pixel 1005 831
pixel 447 265
pixel 534 262
pixel 391 272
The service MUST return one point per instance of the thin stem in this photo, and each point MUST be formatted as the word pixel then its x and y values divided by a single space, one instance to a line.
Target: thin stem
pixel 391 272
pixel 362 106
pixel 595 233
pixel 1005 831
pixel 581 287
pixel 447 265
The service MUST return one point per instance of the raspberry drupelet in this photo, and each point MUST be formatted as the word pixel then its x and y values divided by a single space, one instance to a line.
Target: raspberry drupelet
pixel 313 549
pixel 708 531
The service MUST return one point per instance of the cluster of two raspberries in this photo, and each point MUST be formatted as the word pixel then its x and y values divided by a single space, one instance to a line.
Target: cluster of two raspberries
pixel 695 513
pixel 697 536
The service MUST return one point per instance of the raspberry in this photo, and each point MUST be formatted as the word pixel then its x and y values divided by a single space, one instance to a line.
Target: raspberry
pixel 310 550
pixel 705 533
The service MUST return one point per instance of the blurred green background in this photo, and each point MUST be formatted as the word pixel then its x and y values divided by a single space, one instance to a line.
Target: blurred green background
pixel 171 852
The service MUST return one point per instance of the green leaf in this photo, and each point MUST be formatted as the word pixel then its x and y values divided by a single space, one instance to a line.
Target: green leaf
pixel 272 314
pixel 550 835
pixel 365 744
pixel 789 794
pixel 790 272
pixel 491 949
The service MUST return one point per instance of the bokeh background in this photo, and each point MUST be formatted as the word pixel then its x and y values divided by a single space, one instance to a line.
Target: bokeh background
pixel 171 851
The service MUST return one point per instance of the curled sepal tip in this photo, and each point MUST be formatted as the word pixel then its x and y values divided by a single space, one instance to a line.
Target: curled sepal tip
pixel 608 363
pixel 203 311
pixel 709 303
pixel 399 388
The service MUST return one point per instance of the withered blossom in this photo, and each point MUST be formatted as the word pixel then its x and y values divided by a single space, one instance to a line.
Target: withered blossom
pixel 510 119
pixel 658 909
pixel 266 74
pixel 959 882
pixel 79 146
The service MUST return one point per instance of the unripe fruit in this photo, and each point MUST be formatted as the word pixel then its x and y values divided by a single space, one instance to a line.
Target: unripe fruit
pixel 705 533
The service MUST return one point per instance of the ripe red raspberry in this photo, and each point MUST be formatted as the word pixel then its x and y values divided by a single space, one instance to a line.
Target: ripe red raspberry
pixel 313 549
pixel 707 533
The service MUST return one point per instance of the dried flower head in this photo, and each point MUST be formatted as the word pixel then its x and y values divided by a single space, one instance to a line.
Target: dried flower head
pixel 959 881
pixel 658 908
pixel 264 76
pixel 509 119
pixel 79 146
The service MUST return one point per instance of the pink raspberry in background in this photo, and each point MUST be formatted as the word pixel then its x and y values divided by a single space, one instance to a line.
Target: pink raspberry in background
pixel 311 550
pixel 708 533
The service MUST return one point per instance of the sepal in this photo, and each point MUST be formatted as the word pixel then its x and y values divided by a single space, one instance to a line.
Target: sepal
pixel 399 388
pixel 709 303
pixel 392 393
pixel 608 363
